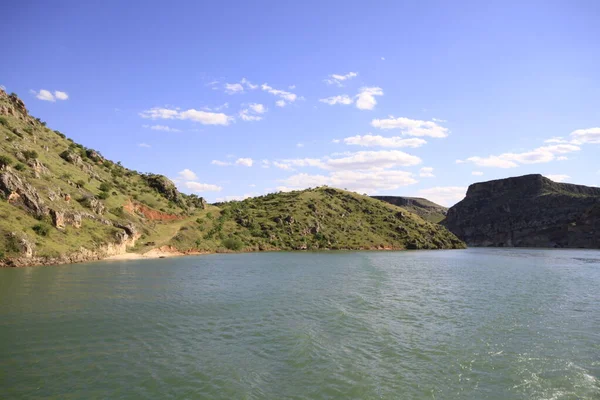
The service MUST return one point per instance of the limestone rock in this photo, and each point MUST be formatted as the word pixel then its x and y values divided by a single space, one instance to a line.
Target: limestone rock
pixel 21 192
pixel 527 211
pixel 71 157
pixel 38 167
pixel 94 204
pixel 62 219
pixel 27 248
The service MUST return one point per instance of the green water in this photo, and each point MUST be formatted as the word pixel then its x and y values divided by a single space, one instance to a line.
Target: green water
pixel 472 324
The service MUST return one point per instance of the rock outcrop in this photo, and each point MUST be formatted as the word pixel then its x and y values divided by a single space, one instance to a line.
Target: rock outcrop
pixel 166 188
pixel 21 193
pixel 527 211
pixel 424 208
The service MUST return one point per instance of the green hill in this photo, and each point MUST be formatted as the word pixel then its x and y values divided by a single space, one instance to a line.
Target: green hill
pixel 62 202
pixel 320 218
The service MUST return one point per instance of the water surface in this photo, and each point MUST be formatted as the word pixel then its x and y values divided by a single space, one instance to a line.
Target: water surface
pixel 459 324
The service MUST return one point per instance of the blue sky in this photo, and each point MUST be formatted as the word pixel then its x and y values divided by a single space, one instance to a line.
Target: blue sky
pixel 234 99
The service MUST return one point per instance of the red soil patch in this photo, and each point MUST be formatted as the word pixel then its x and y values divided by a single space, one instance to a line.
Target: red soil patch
pixel 150 213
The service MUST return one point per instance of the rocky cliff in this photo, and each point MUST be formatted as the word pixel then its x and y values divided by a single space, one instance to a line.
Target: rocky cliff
pixel 424 208
pixel 527 211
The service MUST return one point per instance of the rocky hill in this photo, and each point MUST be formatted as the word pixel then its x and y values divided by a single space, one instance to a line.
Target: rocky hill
pixel 527 211
pixel 61 202
pixel 428 210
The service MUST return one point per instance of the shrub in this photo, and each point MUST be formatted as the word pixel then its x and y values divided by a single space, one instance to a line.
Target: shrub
pixel 103 195
pixel 234 244
pixel 30 154
pixel 28 130
pixel 80 183
pixel 41 229
pixel 62 135
pixel 105 187
pixel 5 161
pixel 20 167
pixel 118 211
pixel 3 121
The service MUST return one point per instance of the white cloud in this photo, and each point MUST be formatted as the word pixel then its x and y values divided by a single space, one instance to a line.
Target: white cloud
pixel 280 103
pixel 265 163
pixel 257 108
pixel 365 100
pixel 287 96
pixel 299 144
pixel 233 88
pixel 292 87
pixel 477 173
pixel 364 182
pixel 252 185
pixel 336 79
pixel 285 167
pixel 61 95
pixel 248 84
pixel 246 162
pixel 438 120
pixel 426 172
pixel 335 141
pixel 558 177
pixel 235 198
pixel 246 116
pixel 382 58
pixel 144 145
pixel 590 135
pixel 444 195
pixel 562 158
pixel 202 187
pixel 542 154
pixel 164 128
pixel 341 99
pixel 187 174
pixel 361 160
pixel 220 163
pixel 557 139
pixel 252 113
pixel 203 117
pixel 380 141
pixel 44 94
pixel 411 127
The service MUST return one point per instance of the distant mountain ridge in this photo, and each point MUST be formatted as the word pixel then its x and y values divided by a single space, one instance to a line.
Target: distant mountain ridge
pixel 426 209
pixel 527 211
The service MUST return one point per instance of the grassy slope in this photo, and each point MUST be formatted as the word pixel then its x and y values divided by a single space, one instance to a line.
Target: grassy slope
pixel 63 175
pixel 322 218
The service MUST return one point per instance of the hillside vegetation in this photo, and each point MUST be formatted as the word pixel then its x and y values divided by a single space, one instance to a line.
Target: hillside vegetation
pixel 62 202
pixel 312 219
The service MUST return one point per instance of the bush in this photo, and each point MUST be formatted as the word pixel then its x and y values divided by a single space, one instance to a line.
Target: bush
pixel 20 167
pixel 62 135
pixel 5 161
pixel 30 154
pixel 105 187
pixel 28 130
pixel 80 183
pixel 103 195
pixel 41 229
pixel 234 244
pixel 3 121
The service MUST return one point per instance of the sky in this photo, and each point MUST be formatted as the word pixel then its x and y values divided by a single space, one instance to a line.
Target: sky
pixel 233 99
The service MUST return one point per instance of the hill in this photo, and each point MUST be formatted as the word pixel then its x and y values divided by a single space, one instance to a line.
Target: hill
pixel 320 218
pixel 527 211
pixel 428 210
pixel 62 202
